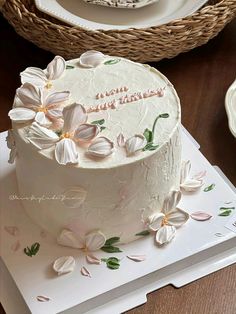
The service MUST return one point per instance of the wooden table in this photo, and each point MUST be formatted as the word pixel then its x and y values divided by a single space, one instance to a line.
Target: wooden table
pixel 201 78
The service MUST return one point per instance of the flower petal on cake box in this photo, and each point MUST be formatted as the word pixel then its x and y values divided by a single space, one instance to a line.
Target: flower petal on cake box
pixel 135 144
pixel 64 265
pixel 42 119
pixel 94 240
pixel 34 76
pixel 201 216
pixel 42 298
pixel 86 132
pixel 137 258
pixel 21 115
pixel 56 98
pixel 185 170
pixel 74 115
pixel 121 140
pixel 177 217
pixel 66 152
pixel 101 147
pixel 41 137
pixel 30 95
pixel 91 59
pixel 68 238
pixel 165 234
pixel 85 272
pixel 155 221
pixel 171 201
pixel 56 68
pixel 191 185
pixel 91 259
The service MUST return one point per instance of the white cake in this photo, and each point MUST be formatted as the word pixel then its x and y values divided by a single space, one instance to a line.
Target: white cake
pixel 101 173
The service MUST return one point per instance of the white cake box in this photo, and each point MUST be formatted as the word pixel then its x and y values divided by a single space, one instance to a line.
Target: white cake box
pixel 199 248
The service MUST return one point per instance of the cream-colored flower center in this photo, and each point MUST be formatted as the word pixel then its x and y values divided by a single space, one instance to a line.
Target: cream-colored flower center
pixel 164 221
pixel 48 85
pixel 66 135
pixel 42 109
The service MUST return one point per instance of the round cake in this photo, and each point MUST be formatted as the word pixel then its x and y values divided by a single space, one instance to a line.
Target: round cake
pixel 97 146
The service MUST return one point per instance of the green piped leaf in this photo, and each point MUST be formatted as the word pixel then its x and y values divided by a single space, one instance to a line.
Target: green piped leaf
pixel 112 241
pixel 150 146
pixel 226 208
pixel 225 213
pixel 143 233
pixel 69 67
pixel 111 61
pixel 148 135
pixel 164 115
pixel 112 262
pixel 111 249
pixel 98 122
pixel 33 250
pixel 209 188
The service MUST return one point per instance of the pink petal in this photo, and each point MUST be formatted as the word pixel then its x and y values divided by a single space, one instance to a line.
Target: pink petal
pixel 56 98
pixel 171 201
pixel 30 95
pixel 86 132
pixel 74 115
pixel 201 216
pixel 12 230
pixel 84 271
pixel 200 175
pixel 94 240
pixel 191 185
pixel 56 68
pixel 70 239
pixel 91 259
pixel 41 137
pixel 66 152
pixel 155 221
pixel 42 298
pixel 55 113
pixel 135 144
pixel 177 217
pixel 91 58
pixel 15 246
pixel 101 147
pixel 137 258
pixel 121 140
pixel 34 76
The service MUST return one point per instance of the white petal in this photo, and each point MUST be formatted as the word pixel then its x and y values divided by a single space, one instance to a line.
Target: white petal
pixel 74 115
pixel 56 98
pixel 200 216
pixel 10 139
pixel 41 119
pixel 191 185
pixel 177 217
pixel 66 152
pixel 165 234
pixel 185 170
pixel 101 147
pixel 121 140
pixel 91 59
pixel 64 264
pixel 56 68
pixel 135 144
pixel 86 132
pixel 74 197
pixel 68 238
pixel 30 95
pixel 91 259
pixel 42 298
pixel 41 137
pixel 200 175
pixel 34 76
pixel 55 113
pixel 94 241
pixel 12 155
pixel 171 201
pixel 21 115
pixel 85 272
pixel 137 258
pixel 155 221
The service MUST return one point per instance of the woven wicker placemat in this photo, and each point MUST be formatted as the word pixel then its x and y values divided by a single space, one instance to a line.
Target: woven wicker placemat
pixel 143 45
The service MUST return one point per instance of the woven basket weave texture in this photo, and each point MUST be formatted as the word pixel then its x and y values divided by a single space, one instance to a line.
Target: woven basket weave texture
pixel 143 45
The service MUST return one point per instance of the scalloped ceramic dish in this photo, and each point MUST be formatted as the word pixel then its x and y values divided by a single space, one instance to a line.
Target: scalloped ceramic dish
pixel 95 17
pixel 230 106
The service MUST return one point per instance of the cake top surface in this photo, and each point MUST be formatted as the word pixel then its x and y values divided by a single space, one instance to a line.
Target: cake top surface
pixel 133 109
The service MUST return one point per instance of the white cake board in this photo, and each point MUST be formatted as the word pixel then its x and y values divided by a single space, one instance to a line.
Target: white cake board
pixel 199 248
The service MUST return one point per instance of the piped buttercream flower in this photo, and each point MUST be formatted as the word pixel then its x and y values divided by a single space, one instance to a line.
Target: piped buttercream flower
pixel 91 59
pixel 91 242
pixel 38 105
pixel 75 131
pixel 43 78
pixel 11 144
pixel 166 222
pixel 187 183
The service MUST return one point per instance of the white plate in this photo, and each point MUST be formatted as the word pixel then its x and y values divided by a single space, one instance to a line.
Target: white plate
pixel 79 13
pixel 124 4
pixel 230 106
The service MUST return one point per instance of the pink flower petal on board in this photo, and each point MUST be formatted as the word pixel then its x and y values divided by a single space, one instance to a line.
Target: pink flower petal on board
pixel 84 271
pixel 12 230
pixel 200 216
pixel 137 258
pixel 91 259
pixel 15 246
pixel 42 298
